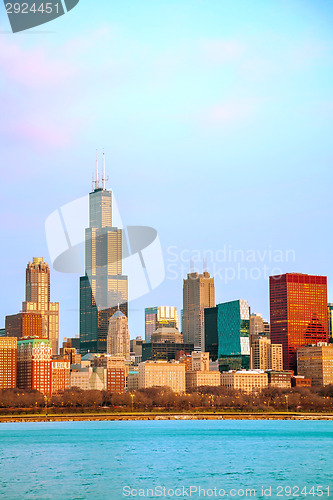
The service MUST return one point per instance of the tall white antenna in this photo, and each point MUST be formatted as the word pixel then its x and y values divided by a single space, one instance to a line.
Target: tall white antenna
pixel 96 181
pixel 103 178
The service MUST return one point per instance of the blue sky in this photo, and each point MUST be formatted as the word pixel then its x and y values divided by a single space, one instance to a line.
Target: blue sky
pixel 216 120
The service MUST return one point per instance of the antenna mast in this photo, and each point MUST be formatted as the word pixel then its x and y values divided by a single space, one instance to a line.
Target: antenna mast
pixel 103 178
pixel 96 181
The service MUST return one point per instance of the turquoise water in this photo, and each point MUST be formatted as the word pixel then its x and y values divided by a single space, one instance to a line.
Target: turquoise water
pixel 118 460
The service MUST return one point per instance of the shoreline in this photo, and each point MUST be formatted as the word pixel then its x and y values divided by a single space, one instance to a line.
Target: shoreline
pixel 83 417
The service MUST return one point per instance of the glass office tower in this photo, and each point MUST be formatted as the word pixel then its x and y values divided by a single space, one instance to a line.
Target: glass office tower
pixel 103 287
pixel 299 313
pixel 233 326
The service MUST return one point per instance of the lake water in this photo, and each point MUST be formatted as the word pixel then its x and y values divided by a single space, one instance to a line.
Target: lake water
pixel 137 459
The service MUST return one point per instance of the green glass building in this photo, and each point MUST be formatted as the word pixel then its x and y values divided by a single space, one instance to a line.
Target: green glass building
pixel 233 326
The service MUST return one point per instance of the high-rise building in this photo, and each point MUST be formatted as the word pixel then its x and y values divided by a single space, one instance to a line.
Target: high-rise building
pixel 159 316
pixel 162 374
pixel 25 324
pixel 39 316
pixel 8 353
pixel 118 339
pixel 211 333
pixel 34 370
pixel 233 324
pixel 330 322
pixel 198 293
pixel 104 287
pixel 316 362
pixel 266 356
pixel 299 314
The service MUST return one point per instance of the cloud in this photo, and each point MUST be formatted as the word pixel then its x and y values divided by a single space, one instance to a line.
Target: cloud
pixel 221 51
pixel 34 67
pixel 231 112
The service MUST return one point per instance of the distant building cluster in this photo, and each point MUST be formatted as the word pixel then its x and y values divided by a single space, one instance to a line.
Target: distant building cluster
pixel 210 344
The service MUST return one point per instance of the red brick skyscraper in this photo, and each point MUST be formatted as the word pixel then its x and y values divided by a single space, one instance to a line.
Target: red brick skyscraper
pixel 299 314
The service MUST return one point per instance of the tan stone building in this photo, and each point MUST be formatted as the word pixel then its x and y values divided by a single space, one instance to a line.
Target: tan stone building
pixel 162 374
pixel 316 362
pixel 265 355
pixel 8 357
pixel 202 378
pixel 118 339
pixel 245 380
pixel 198 294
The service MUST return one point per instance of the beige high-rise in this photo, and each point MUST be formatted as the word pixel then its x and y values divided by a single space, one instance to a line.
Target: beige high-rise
pixel 37 299
pixel 39 316
pixel 266 356
pixel 118 339
pixel 198 293
pixel 316 362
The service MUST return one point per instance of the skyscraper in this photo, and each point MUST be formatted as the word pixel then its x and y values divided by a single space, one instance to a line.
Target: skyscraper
pixel 103 287
pixel 198 293
pixel 161 316
pixel 39 316
pixel 299 314
pixel 118 339
pixel 233 325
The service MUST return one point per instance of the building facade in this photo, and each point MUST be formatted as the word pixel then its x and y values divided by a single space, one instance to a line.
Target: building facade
pixel 245 380
pixel 162 374
pixel 40 316
pixel 299 314
pixel 60 375
pixel 280 379
pixel 198 293
pixel 25 324
pixel 34 370
pixel 204 378
pixel 165 350
pixel 233 323
pixel 118 339
pixel 158 317
pixel 104 287
pixel 316 363
pixel 8 360
pixel 265 355
pixel 200 361
pixel 211 332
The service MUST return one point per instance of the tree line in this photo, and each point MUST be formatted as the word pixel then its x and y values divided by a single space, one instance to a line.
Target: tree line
pixel 156 398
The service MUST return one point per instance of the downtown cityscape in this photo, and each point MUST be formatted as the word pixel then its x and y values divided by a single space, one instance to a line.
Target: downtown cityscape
pixel 208 344
pixel 166 317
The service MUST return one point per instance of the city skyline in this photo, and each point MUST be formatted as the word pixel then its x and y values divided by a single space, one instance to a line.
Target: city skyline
pixel 217 132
